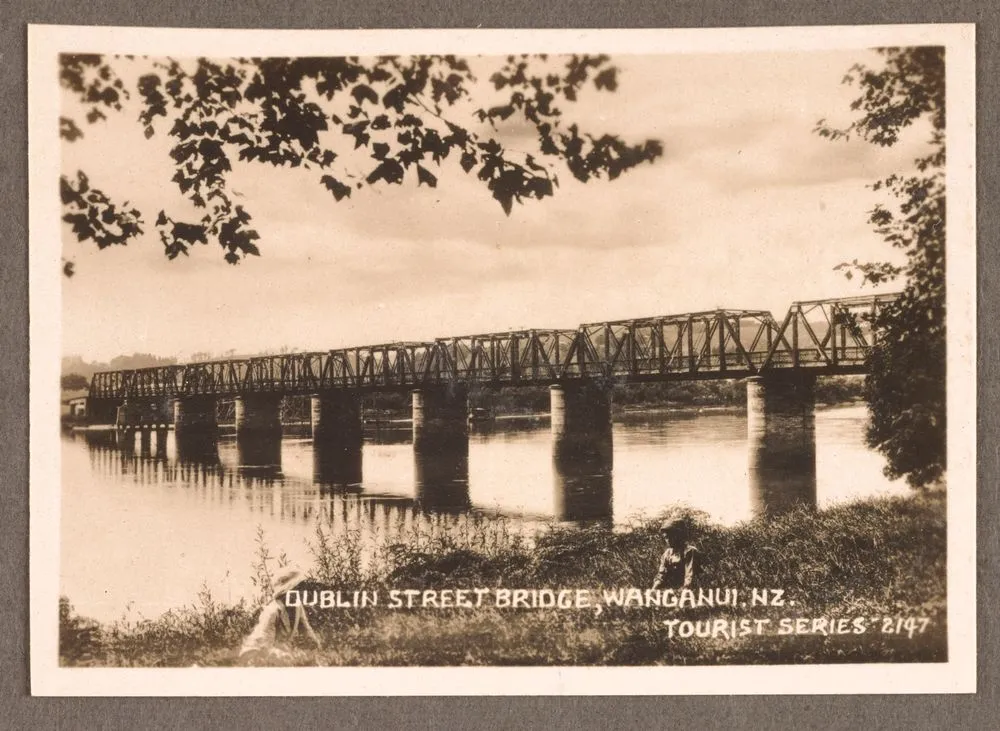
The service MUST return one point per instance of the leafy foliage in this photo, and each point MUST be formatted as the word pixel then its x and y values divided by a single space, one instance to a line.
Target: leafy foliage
pixel 93 216
pixel 401 117
pixel 906 385
pixel 73 382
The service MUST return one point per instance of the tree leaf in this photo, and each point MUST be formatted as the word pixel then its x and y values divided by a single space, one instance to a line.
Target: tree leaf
pixel 389 170
pixel 424 176
pixel 607 79
pixel 339 190
pixel 363 92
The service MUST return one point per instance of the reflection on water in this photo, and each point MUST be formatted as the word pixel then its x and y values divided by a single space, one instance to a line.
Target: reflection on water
pixel 148 526
pixel 582 481
pixel 441 480
pixel 781 444
pixel 259 451
pixel 337 468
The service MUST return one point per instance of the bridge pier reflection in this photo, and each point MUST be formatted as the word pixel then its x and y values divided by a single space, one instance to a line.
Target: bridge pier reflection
pixel 441 447
pixel 337 468
pixel 145 442
pixel 205 451
pixel 125 440
pixel 337 439
pixel 441 479
pixel 583 483
pixel 781 431
pixel 104 440
pixel 161 443
pixel 582 451
pixel 258 450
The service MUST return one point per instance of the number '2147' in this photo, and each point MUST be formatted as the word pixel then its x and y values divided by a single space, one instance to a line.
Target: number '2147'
pixel 904 625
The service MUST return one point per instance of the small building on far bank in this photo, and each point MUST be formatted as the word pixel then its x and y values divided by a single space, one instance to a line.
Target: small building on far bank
pixel 73 404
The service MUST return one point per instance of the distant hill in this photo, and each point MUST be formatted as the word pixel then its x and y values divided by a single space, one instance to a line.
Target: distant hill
pixel 74 364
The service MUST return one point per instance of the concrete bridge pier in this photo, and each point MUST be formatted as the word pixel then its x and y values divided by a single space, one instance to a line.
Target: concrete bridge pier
pixel 441 419
pixel 581 422
pixel 101 410
pixel 781 431
pixel 258 429
pixel 337 439
pixel 196 431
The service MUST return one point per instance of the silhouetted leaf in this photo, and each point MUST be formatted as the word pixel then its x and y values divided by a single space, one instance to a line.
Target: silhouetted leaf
pixel 68 129
pixel 363 92
pixel 192 233
pixel 607 79
pixel 424 176
pixel 339 190
pixel 395 98
pixel 390 171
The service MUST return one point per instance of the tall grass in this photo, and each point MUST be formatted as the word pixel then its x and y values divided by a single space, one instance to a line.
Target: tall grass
pixel 873 558
pixel 204 633
pixel 452 547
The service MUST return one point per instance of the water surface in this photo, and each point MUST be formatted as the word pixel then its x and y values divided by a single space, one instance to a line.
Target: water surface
pixel 141 535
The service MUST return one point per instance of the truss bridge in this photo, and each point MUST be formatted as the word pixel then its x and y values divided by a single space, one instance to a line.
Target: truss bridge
pixel 822 337
pixel 780 361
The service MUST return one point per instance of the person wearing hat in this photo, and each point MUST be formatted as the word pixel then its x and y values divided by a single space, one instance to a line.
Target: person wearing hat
pixel 677 565
pixel 275 625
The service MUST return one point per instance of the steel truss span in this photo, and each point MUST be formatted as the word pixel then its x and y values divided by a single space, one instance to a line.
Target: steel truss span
pixel 824 337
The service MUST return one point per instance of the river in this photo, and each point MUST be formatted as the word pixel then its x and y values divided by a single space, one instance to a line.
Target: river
pixel 141 535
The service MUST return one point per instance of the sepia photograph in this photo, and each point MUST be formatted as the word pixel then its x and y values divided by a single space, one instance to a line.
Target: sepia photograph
pixel 595 357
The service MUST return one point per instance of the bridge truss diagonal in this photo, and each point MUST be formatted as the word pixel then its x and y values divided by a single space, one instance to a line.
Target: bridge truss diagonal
pixel 825 337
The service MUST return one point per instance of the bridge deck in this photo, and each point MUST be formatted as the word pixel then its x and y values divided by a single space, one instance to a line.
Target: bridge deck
pixel 826 337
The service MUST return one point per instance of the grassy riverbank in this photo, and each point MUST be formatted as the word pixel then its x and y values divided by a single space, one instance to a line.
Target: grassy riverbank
pixel 878 560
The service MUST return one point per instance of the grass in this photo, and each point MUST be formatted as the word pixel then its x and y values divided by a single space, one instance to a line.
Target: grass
pixel 869 559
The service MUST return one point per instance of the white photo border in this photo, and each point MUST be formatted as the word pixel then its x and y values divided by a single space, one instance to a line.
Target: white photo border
pixel 957 675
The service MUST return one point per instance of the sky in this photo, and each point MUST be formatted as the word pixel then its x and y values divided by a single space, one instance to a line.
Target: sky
pixel 748 208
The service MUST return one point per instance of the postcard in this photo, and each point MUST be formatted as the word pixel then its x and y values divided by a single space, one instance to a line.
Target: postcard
pixel 502 362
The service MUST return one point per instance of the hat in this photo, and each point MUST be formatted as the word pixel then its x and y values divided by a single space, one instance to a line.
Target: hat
pixel 674 526
pixel 287 580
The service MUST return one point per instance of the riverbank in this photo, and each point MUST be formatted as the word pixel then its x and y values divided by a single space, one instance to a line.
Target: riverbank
pixel 863 582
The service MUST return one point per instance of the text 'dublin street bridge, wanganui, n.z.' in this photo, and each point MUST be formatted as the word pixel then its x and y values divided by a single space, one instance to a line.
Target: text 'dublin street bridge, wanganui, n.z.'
pixel 780 360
